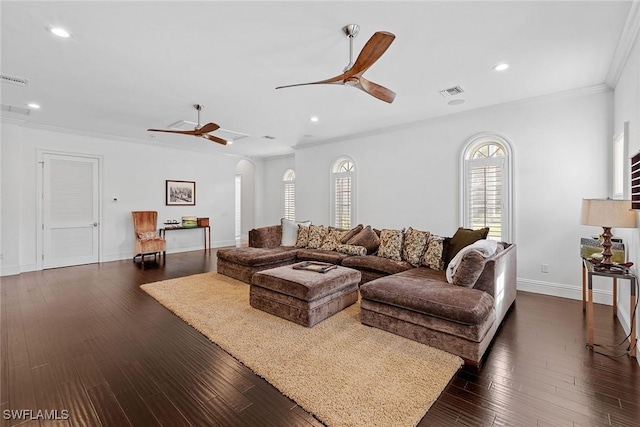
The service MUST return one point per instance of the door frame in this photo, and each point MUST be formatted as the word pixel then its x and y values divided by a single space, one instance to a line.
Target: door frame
pixel 39 200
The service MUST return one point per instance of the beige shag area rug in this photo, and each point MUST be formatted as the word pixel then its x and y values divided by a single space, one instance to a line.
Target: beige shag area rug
pixel 343 372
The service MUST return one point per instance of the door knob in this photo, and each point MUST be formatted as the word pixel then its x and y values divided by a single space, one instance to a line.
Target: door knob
pixel 95 224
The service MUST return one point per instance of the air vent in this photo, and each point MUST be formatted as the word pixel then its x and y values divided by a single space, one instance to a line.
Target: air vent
pixel 17 110
pixel 268 137
pixel 14 80
pixel 452 91
pixel 183 125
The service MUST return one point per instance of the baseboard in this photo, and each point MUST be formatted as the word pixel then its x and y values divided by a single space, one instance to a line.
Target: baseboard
pixel 562 290
pixel 9 271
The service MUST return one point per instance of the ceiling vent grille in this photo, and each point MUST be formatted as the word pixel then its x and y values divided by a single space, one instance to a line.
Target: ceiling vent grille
pixel 17 110
pixel 268 137
pixel 452 91
pixel 14 80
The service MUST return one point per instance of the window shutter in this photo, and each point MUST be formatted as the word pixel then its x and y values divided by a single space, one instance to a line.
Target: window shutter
pixel 485 198
pixel 290 200
pixel 343 202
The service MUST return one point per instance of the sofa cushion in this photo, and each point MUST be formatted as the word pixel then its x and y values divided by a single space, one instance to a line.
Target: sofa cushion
pixel 332 239
pixel 332 257
pixel 317 233
pixel 430 296
pixel 414 245
pixel 435 253
pixel 146 235
pixel 464 237
pixel 303 236
pixel 255 257
pixel 290 231
pixel 367 238
pixel 376 263
pixel 391 244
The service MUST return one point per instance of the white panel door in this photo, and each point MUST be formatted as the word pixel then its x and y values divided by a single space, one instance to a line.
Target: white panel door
pixel 70 210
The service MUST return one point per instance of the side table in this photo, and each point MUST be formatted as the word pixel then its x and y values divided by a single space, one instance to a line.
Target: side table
pixel 590 271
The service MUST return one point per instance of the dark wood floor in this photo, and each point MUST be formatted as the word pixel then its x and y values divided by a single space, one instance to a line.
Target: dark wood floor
pixel 86 339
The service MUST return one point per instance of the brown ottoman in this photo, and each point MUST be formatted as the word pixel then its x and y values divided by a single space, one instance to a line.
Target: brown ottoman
pixel 302 296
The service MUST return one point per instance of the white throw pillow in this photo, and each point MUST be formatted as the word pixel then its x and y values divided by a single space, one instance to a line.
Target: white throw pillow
pixel 290 231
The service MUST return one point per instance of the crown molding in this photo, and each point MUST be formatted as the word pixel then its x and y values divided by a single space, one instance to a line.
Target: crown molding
pixel 625 44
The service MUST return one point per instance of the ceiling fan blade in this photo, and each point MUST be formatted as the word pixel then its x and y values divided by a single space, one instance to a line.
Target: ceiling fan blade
pixel 371 52
pixel 214 139
pixel 376 90
pixel 184 132
pixel 336 79
pixel 209 127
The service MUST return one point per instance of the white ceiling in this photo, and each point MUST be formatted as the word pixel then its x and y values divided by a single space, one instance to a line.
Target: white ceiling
pixel 130 66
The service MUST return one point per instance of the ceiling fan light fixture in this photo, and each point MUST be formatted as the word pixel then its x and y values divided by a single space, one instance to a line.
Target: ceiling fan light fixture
pixel 229 141
pixel 33 105
pixel 501 67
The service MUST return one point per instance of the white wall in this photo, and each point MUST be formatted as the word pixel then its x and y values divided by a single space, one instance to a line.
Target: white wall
pixel 134 173
pixel 247 170
pixel 627 109
pixel 410 177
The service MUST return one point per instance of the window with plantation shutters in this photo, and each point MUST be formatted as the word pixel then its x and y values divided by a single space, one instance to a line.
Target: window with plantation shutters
pixel 486 188
pixel 343 193
pixel 289 183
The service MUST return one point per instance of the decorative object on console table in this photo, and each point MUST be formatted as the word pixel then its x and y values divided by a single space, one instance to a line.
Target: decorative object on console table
pixel 180 193
pixel 607 213
pixel 203 222
pixel 591 251
pixel 189 222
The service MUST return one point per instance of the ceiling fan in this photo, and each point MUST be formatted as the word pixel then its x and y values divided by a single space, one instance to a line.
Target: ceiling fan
pixel 198 131
pixel 352 73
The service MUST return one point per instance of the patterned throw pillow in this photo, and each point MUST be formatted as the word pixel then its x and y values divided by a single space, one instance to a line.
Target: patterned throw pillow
pixel 303 236
pixel 351 249
pixel 332 239
pixel 434 255
pixel 290 231
pixel 317 233
pixel 414 245
pixel 146 235
pixel 367 238
pixel 391 244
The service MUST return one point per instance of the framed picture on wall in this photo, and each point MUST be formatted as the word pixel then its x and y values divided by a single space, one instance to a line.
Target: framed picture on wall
pixel 180 193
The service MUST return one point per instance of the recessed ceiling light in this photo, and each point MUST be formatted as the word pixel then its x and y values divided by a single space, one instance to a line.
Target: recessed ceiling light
pixel 60 32
pixel 33 105
pixel 314 119
pixel 501 67
pixel 456 102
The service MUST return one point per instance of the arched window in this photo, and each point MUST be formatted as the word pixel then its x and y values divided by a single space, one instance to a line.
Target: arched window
pixel 487 185
pixel 289 187
pixel 342 193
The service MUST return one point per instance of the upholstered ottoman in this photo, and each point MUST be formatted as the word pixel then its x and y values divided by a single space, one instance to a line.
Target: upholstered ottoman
pixel 243 263
pixel 302 296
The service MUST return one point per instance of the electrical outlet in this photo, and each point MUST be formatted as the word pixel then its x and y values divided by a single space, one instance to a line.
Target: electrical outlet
pixel 544 268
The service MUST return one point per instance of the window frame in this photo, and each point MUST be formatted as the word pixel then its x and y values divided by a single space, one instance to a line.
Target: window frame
pixel 620 171
pixel 335 175
pixel 507 181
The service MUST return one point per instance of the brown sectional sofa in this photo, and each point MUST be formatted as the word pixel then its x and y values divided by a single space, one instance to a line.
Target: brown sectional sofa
pixel 415 302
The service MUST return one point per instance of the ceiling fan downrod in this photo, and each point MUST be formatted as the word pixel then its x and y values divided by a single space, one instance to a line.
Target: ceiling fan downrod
pixel 351 31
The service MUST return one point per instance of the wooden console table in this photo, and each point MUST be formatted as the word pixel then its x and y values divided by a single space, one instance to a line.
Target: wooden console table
pixel 205 228
pixel 615 276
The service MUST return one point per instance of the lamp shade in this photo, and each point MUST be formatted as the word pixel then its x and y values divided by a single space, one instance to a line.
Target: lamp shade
pixel 608 213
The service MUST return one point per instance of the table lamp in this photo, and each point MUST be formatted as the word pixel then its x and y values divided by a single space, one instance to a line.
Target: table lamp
pixel 607 213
